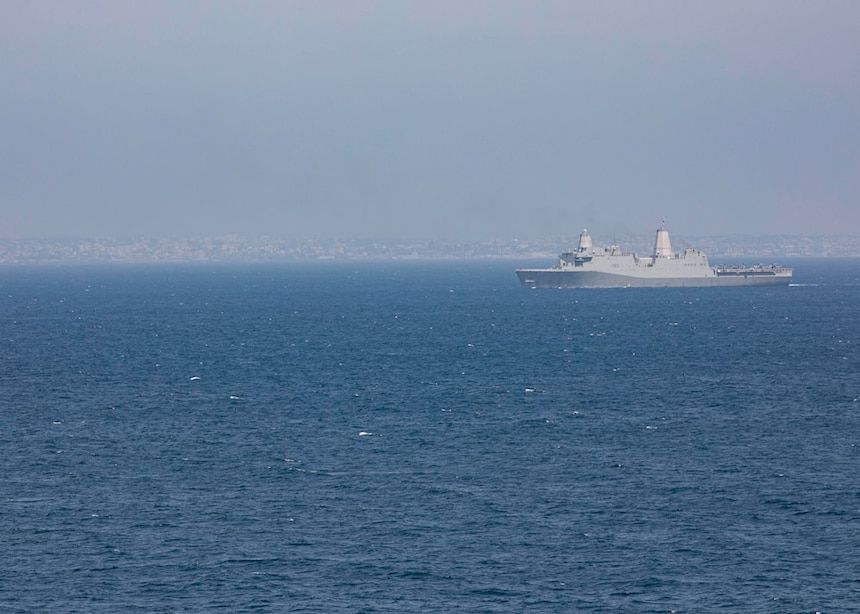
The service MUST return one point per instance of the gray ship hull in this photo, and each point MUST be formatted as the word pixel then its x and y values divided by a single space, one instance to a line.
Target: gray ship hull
pixel 556 278
pixel 609 267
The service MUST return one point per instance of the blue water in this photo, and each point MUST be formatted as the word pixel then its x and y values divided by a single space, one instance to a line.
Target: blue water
pixel 425 437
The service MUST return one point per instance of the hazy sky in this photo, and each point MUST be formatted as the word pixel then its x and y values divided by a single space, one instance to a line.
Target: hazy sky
pixel 440 119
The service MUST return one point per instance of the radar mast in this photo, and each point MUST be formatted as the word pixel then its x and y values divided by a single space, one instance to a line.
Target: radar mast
pixel 662 245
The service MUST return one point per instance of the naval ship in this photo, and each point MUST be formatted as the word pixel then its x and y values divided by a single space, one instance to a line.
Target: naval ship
pixel 609 267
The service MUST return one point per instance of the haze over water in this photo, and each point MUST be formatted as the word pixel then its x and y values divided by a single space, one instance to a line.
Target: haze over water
pixel 391 436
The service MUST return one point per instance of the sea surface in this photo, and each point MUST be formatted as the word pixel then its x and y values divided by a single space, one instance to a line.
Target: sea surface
pixel 425 437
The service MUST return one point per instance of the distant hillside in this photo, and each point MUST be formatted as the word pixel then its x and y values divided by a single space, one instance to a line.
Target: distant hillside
pixel 234 248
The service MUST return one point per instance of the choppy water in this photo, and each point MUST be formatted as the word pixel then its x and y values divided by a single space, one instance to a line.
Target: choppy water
pixel 425 437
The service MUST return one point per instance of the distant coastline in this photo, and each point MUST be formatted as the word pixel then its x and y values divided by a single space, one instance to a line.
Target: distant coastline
pixel 241 249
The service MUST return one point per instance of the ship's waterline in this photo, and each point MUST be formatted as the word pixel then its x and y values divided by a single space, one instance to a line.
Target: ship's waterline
pixel 609 267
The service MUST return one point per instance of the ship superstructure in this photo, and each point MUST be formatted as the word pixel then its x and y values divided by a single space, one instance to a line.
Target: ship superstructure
pixel 609 267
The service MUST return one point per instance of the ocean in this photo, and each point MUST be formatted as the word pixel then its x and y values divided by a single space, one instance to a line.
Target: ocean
pixel 425 437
